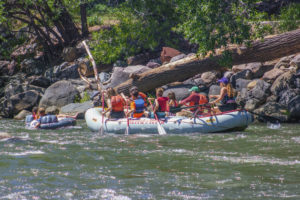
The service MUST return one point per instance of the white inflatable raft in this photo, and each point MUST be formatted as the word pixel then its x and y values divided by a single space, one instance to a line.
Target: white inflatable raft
pixel 227 121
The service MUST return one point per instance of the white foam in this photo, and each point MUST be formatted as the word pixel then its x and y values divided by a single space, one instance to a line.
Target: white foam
pixel 25 153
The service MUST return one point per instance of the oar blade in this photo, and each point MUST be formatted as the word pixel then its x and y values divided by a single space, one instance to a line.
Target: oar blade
pixel 127 131
pixel 101 130
pixel 161 130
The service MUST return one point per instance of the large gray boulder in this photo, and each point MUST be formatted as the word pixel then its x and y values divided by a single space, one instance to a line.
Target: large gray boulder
pixel 121 74
pixel 79 108
pixel 19 102
pixel 59 94
pixel 274 110
pixel 64 71
pixel 181 90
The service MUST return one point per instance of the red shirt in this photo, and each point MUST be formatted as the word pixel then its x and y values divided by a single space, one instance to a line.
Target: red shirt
pixel 162 102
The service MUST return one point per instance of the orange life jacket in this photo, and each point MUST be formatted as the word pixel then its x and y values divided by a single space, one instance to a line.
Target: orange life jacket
pixel 117 103
pixel 203 99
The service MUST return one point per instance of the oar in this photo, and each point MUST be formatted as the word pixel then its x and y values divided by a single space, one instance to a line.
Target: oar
pixel 127 131
pixel 101 130
pixel 160 129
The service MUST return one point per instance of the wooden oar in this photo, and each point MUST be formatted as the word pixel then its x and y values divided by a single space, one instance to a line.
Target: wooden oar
pixel 101 130
pixel 160 129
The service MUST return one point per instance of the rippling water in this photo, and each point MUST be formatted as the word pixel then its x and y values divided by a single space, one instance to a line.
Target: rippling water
pixel 259 163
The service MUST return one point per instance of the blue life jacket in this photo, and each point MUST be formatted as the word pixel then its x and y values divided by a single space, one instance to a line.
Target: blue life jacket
pixel 139 104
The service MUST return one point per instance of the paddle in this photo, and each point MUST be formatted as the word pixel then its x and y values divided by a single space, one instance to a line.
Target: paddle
pixel 127 131
pixel 160 129
pixel 101 130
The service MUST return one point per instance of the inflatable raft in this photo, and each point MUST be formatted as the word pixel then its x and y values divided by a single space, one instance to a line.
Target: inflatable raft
pixel 227 121
pixel 49 122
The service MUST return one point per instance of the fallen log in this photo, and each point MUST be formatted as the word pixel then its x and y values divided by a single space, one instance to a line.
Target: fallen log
pixel 259 51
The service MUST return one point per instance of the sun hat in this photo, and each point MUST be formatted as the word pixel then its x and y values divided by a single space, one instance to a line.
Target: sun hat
pixel 223 80
pixel 194 88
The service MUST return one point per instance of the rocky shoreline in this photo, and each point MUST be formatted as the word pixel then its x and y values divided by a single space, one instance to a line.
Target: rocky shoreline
pixel 270 88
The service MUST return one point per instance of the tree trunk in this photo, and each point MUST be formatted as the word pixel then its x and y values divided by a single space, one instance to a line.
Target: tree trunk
pixel 84 25
pixel 259 51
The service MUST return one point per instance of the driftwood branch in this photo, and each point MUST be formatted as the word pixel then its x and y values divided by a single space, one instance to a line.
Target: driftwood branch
pixel 99 85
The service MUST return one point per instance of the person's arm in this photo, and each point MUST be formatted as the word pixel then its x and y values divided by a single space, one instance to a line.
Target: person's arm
pixel 221 96
pixel 186 100
pixel 108 102
pixel 156 106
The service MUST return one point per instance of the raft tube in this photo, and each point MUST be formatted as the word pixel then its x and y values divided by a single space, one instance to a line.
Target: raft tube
pixel 226 121
pixel 50 122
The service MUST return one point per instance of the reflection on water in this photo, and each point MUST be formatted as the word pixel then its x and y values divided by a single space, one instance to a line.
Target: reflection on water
pixel 259 163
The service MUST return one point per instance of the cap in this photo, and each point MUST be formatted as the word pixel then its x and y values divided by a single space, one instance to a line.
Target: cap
pixel 223 80
pixel 133 88
pixel 194 88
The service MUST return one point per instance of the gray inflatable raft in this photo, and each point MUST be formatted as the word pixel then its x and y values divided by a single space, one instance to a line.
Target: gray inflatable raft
pixel 227 121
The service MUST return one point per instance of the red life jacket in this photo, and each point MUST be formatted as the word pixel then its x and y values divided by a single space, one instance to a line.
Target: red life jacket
pixel 117 103
pixel 162 102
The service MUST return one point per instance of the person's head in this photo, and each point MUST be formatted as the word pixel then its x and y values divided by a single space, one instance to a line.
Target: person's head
pixel 172 96
pixel 134 91
pixel 41 112
pixel 159 92
pixel 194 89
pixel 34 110
pixel 110 92
pixel 223 81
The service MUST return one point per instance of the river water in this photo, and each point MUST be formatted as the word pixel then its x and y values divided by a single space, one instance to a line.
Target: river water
pixel 258 163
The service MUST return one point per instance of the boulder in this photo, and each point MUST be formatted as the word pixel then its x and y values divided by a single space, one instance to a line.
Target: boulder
pixel 40 81
pixel 79 108
pixel 181 90
pixel 8 67
pixel 257 68
pixel 120 74
pixel 285 96
pixel 274 110
pixel 19 102
pixel 271 75
pixel 241 83
pixel 168 53
pixel 178 57
pixel 23 52
pixel 152 65
pixel 283 82
pixel 59 94
pixel 22 115
pixel 64 71
pixel 284 62
pixel 214 90
pixel 296 61
pixel 69 54
pixel 52 110
pixel 33 66
pixel 209 77
pixel 251 104
pixel 261 90
pixel 294 107
pixel 245 74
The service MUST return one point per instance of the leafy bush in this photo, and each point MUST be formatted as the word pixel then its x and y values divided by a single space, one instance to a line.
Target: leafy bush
pixel 290 17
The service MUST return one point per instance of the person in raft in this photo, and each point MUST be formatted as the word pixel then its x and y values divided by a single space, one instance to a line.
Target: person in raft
pixel 34 112
pixel 172 105
pixel 37 122
pixel 195 99
pixel 115 103
pixel 160 104
pixel 138 103
pixel 226 97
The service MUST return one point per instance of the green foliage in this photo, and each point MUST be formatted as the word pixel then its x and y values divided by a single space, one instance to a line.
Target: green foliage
pixel 214 23
pixel 78 99
pixel 290 17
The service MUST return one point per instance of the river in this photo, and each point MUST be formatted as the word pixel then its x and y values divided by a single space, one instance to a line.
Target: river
pixel 258 163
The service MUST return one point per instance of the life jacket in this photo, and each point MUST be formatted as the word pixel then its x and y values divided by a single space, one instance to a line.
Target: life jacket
pixel 203 99
pixel 226 99
pixel 117 103
pixel 139 104
pixel 162 102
